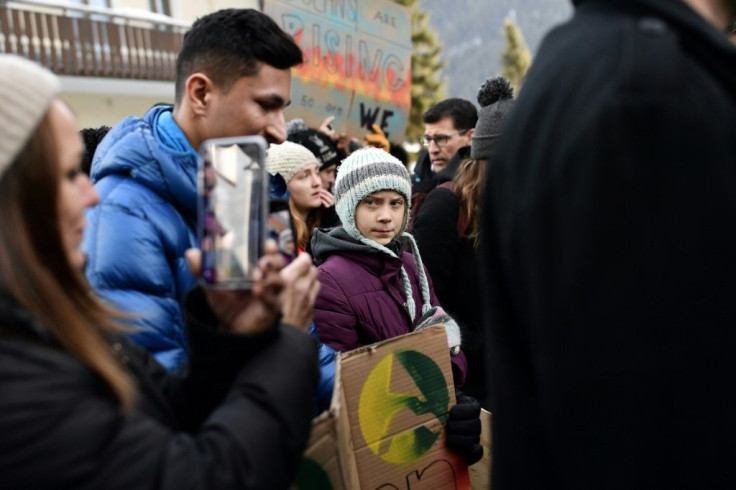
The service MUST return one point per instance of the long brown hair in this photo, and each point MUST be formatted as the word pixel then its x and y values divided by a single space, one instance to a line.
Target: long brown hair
pixel 304 228
pixel 35 270
pixel 468 184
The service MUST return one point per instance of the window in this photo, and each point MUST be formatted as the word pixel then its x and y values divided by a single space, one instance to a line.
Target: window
pixel 160 7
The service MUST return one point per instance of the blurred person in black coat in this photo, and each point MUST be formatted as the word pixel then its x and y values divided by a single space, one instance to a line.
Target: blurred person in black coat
pixel 609 242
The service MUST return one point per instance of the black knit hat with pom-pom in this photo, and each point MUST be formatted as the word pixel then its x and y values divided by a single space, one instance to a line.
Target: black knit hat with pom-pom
pixel 496 98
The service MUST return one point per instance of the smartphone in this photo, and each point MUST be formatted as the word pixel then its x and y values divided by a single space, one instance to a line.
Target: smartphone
pixel 280 228
pixel 232 192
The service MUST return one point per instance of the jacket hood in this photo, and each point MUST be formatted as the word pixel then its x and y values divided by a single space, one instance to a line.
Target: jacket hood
pixel 132 149
pixel 373 254
pixel 326 242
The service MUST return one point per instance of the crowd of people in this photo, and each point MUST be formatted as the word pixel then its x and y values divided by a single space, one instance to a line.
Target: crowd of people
pixel 574 243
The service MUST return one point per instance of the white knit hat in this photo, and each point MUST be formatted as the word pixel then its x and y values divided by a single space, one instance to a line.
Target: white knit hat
pixel 289 158
pixel 26 92
pixel 364 172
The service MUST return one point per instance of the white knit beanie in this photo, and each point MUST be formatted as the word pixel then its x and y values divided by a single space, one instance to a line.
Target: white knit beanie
pixel 364 172
pixel 26 92
pixel 289 158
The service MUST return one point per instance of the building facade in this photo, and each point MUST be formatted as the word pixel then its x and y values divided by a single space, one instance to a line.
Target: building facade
pixel 115 58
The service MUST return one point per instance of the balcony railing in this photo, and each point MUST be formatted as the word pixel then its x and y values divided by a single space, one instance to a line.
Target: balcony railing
pixel 78 40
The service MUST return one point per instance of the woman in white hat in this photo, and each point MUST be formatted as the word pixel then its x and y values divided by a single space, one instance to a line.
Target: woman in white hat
pixel 307 199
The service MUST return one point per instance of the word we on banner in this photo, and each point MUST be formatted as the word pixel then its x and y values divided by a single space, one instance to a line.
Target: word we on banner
pixel 357 62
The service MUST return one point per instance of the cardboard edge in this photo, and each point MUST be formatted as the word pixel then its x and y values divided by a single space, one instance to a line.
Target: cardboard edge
pixel 346 453
pixel 373 347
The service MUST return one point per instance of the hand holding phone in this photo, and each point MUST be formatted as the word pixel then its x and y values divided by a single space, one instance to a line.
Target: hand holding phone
pixel 247 311
pixel 301 287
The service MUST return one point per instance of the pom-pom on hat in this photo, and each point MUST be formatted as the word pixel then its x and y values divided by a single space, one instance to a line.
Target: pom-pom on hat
pixel 288 158
pixel 295 125
pixel 26 92
pixel 496 98
pixel 319 144
pixel 364 172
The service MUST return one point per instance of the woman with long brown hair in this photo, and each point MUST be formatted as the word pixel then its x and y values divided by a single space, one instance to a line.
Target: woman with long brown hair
pixel 446 231
pixel 83 407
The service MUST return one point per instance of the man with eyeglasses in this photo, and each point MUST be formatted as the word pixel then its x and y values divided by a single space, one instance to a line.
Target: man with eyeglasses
pixel 448 126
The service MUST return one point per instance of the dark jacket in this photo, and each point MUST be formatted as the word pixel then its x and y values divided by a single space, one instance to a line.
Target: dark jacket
pixel 362 297
pixel 610 245
pixel 240 418
pixel 421 191
pixel 453 263
pixel 138 233
pixel 424 180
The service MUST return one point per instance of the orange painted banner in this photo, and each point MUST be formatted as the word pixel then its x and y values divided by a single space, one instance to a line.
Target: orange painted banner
pixel 357 62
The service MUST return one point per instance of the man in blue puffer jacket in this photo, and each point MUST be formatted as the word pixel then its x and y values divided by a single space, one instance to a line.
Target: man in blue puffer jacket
pixel 233 79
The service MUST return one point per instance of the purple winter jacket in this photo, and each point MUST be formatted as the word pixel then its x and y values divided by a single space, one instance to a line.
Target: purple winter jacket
pixel 362 296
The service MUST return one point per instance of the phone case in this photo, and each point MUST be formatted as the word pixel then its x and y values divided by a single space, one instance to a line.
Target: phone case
pixel 232 209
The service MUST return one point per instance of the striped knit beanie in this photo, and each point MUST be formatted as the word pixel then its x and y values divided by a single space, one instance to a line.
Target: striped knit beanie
pixel 288 159
pixel 364 172
pixel 26 92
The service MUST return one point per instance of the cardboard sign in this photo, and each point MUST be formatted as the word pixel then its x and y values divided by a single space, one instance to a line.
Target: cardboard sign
pixel 388 413
pixel 320 466
pixel 357 62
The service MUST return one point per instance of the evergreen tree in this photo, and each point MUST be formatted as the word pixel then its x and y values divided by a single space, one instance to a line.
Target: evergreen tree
pixel 427 88
pixel 516 60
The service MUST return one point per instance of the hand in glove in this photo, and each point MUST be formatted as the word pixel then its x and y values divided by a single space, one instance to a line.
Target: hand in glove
pixel 437 316
pixel 463 428
pixel 378 139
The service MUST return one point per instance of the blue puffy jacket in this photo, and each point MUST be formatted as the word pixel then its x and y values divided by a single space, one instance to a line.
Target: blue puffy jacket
pixel 137 235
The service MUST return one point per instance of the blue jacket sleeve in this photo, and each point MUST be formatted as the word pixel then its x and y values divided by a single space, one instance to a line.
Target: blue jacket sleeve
pixel 136 262
pixel 326 372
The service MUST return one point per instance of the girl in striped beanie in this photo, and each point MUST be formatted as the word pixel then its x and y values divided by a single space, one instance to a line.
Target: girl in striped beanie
pixel 372 289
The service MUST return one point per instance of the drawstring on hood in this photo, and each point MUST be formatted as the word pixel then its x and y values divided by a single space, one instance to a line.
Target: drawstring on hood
pixel 423 283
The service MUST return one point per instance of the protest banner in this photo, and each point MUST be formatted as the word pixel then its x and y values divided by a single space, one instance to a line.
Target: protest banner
pixel 357 62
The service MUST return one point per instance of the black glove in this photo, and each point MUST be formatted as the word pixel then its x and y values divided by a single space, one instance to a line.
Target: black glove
pixel 463 428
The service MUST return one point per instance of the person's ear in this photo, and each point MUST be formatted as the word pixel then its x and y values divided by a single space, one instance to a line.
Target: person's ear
pixel 470 134
pixel 199 92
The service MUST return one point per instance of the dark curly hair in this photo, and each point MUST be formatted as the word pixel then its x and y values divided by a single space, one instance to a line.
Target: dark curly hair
pixel 92 138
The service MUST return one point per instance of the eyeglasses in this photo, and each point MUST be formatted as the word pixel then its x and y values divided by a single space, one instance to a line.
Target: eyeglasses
pixel 440 140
